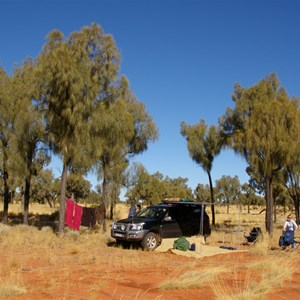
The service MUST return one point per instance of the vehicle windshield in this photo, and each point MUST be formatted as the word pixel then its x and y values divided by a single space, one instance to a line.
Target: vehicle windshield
pixel 152 212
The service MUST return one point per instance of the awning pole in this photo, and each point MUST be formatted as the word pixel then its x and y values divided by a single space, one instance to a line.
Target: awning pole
pixel 201 219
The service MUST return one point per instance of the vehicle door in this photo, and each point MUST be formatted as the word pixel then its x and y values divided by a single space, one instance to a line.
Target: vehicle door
pixel 169 226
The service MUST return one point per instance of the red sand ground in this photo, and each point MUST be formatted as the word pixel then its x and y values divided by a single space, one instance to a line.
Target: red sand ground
pixel 115 279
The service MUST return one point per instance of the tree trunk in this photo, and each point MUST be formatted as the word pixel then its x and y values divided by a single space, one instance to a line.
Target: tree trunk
pixel 26 199
pixel 49 201
pixel 297 212
pixel 269 205
pixel 104 218
pixel 297 206
pixel 213 221
pixel 6 190
pixel 22 197
pixel 295 195
pixel 105 193
pixel 112 210
pixel 112 201
pixel 62 208
pixel 274 214
pixel 105 183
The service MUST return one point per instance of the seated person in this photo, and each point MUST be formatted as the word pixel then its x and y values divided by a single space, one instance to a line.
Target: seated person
pixel 289 227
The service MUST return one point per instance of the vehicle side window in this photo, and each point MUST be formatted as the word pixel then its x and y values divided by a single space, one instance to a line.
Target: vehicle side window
pixel 152 212
pixel 159 212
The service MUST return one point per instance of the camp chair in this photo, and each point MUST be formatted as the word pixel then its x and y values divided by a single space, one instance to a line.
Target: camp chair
pixel 254 234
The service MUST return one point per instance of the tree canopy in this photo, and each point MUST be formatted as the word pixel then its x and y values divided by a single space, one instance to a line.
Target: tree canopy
pixel 204 144
pixel 264 128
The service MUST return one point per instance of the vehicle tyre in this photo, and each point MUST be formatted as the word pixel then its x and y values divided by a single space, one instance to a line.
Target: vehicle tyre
pixel 150 241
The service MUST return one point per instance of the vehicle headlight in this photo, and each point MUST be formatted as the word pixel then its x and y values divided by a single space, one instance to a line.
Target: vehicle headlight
pixel 118 226
pixel 138 226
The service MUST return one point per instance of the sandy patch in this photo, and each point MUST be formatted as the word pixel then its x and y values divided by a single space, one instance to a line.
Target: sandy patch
pixel 201 250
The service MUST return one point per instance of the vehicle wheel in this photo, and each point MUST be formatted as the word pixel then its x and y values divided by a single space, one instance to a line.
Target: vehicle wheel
pixel 150 242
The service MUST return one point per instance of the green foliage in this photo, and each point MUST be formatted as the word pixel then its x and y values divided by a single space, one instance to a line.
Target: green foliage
pixel 247 196
pixel 72 99
pixel 263 125
pixel 78 186
pixel 94 198
pixel 203 143
pixel 121 128
pixel 89 120
pixel 7 115
pixel 44 188
pixel 178 188
pixel 29 131
pixel 228 190
pixel 72 75
pixel 264 128
pixel 156 187
pixel 202 192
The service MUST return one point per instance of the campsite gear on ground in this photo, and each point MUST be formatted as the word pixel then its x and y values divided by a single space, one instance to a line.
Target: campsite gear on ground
pixel 181 244
pixel 254 234
pixel 228 247
pixel 281 241
pixel 192 247
pixel 287 239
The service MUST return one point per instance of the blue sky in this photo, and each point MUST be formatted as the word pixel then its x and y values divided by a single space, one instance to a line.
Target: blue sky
pixel 182 59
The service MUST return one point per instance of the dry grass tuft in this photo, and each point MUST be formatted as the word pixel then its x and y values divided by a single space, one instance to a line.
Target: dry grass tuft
pixel 192 279
pixel 28 251
pixel 140 295
pixel 274 271
pixel 11 286
pixel 262 246
pixel 23 236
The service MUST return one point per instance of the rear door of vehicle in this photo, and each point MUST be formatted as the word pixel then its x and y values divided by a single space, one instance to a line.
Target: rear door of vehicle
pixel 169 225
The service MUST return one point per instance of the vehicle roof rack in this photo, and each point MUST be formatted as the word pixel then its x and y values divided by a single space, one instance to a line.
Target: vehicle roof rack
pixel 186 201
